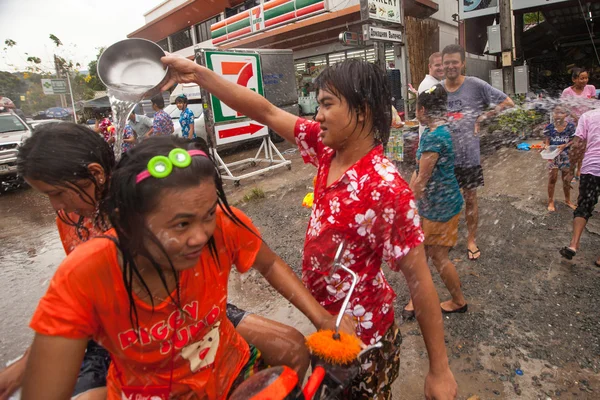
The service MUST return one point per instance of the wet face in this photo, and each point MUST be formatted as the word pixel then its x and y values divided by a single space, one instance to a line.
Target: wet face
pixel 437 68
pixel 581 80
pixel 180 105
pixel 132 117
pixel 420 114
pixel 453 65
pixel 559 115
pixel 338 123
pixel 80 198
pixel 183 221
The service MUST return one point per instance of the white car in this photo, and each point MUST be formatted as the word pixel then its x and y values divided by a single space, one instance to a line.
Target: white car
pixel 199 124
pixel 13 132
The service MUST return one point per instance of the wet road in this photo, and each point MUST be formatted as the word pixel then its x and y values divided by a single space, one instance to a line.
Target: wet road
pixel 30 251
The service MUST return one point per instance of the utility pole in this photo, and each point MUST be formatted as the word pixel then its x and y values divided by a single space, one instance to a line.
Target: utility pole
pixel 63 100
pixel 507 46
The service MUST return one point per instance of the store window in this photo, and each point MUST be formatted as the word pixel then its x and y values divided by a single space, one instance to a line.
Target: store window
pixel 203 29
pixel 356 54
pixel 181 39
pixel 335 58
pixel 246 5
pixel 164 44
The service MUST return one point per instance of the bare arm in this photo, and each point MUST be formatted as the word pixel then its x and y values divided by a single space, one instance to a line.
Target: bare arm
pixel 241 99
pixel 53 367
pixel 426 166
pixel 11 378
pixel 506 104
pixel 439 383
pixel 578 146
pixel 285 281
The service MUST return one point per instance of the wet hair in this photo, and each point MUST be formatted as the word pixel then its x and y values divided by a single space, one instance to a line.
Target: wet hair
pixel 434 101
pixel 59 154
pixel 453 49
pixel 366 90
pixel 129 203
pixel 181 99
pixel 578 71
pixel 158 100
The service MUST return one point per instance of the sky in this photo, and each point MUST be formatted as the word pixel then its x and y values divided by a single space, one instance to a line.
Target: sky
pixel 83 26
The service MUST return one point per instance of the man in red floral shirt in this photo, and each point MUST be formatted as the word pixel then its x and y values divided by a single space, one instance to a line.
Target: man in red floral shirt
pixel 359 199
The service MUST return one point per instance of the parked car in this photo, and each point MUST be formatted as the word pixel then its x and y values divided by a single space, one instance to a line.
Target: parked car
pixel 13 131
pixel 37 123
pixel 199 123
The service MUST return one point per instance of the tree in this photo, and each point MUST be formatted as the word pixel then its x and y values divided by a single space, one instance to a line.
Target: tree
pixel 93 80
pixel 12 87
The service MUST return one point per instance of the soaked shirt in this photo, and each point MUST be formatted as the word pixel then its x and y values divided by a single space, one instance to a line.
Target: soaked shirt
pixel 74 230
pixel 127 134
pixel 186 119
pixel 580 103
pixel 465 105
pixel 441 198
pixel 557 138
pixel 588 129
pixel 198 346
pixel 371 208
pixel 162 125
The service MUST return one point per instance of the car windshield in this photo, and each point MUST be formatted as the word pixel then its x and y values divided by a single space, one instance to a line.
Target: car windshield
pixel 10 123
pixel 174 112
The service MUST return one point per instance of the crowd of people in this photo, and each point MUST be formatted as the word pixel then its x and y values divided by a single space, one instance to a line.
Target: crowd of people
pixel 150 242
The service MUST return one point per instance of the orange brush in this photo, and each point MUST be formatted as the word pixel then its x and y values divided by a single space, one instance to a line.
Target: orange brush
pixel 340 351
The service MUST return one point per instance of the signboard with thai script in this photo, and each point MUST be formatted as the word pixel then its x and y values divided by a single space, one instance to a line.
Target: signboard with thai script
pixel 381 10
pixel 54 86
pixel 264 16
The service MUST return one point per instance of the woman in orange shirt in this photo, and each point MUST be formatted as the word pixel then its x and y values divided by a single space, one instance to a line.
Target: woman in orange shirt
pixel 75 197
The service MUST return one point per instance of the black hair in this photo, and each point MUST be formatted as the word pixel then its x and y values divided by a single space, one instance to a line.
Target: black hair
pixel 435 101
pixel 158 100
pixel 453 49
pixel 181 99
pixel 365 88
pixel 577 71
pixel 129 202
pixel 59 154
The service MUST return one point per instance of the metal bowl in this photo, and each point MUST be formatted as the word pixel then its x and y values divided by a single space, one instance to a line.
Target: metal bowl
pixel 132 69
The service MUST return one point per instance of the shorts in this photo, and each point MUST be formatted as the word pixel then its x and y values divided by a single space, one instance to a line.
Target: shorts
pixel 379 370
pixel 589 191
pixel 561 162
pixel 254 365
pixel 440 233
pixel 94 368
pixel 469 178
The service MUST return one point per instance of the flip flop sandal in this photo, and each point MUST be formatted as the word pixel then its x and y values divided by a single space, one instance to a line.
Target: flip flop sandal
pixel 567 253
pixel 408 314
pixel 461 310
pixel 471 254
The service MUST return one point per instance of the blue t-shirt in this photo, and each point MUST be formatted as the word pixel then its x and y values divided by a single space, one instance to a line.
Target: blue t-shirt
pixel 465 105
pixel 185 120
pixel 559 138
pixel 441 199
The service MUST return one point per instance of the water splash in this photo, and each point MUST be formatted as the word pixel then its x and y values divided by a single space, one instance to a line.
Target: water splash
pixel 120 110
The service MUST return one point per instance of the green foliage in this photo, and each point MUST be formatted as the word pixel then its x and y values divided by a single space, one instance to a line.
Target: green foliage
pixel 56 40
pixel 12 87
pixel 35 60
pixel 9 43
pixel 93 81
pixel 255 194
pixel 518 120
pixel 533 18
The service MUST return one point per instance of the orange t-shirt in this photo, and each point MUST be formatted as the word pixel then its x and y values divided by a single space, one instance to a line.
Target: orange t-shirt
pixel 87 299
pixel 68 233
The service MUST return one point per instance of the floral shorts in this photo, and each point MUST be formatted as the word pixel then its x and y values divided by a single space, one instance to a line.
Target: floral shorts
pixel 560 162
pixel 379 370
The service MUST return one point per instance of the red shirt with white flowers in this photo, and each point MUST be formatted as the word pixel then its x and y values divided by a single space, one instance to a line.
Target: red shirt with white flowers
pixel 372 209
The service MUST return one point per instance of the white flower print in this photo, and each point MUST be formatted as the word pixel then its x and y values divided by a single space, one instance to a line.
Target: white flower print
pixel 334 205
pixel 372 238
pixel 361 316
pixel 353 190
pixel 314 262
pixel 331 219
pixel 375 339
pixel 412 204
pixel 375 195
pixel 386 170
pixel 378 281
pixel 388 215
pixel 385 308
pixel 315 222
pixel 336 238
pixel 302 127
pixel 417 220
pixel 348 259
pixel 337 287
pixel 365 222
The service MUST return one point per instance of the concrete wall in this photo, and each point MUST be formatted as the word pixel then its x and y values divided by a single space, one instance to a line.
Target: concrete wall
pixel 162 9
pixel 448 28
pixel 479 67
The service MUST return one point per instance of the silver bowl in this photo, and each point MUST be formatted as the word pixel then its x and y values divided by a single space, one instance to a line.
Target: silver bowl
pixel 132 69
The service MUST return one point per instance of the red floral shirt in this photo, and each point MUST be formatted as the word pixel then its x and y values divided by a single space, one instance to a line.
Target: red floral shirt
pixel 372 209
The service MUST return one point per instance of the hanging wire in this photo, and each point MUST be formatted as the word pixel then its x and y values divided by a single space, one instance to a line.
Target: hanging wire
pixel 589 32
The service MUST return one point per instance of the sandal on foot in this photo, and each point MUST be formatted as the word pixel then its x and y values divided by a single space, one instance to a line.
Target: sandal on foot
pixel 461 310
pixel 471 255
pixel 567 253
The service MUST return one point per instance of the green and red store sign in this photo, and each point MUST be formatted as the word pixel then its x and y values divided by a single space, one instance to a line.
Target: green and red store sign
pixel 265 16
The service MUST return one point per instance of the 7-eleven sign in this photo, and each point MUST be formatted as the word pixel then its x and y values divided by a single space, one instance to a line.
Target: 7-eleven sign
pixel 243 69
